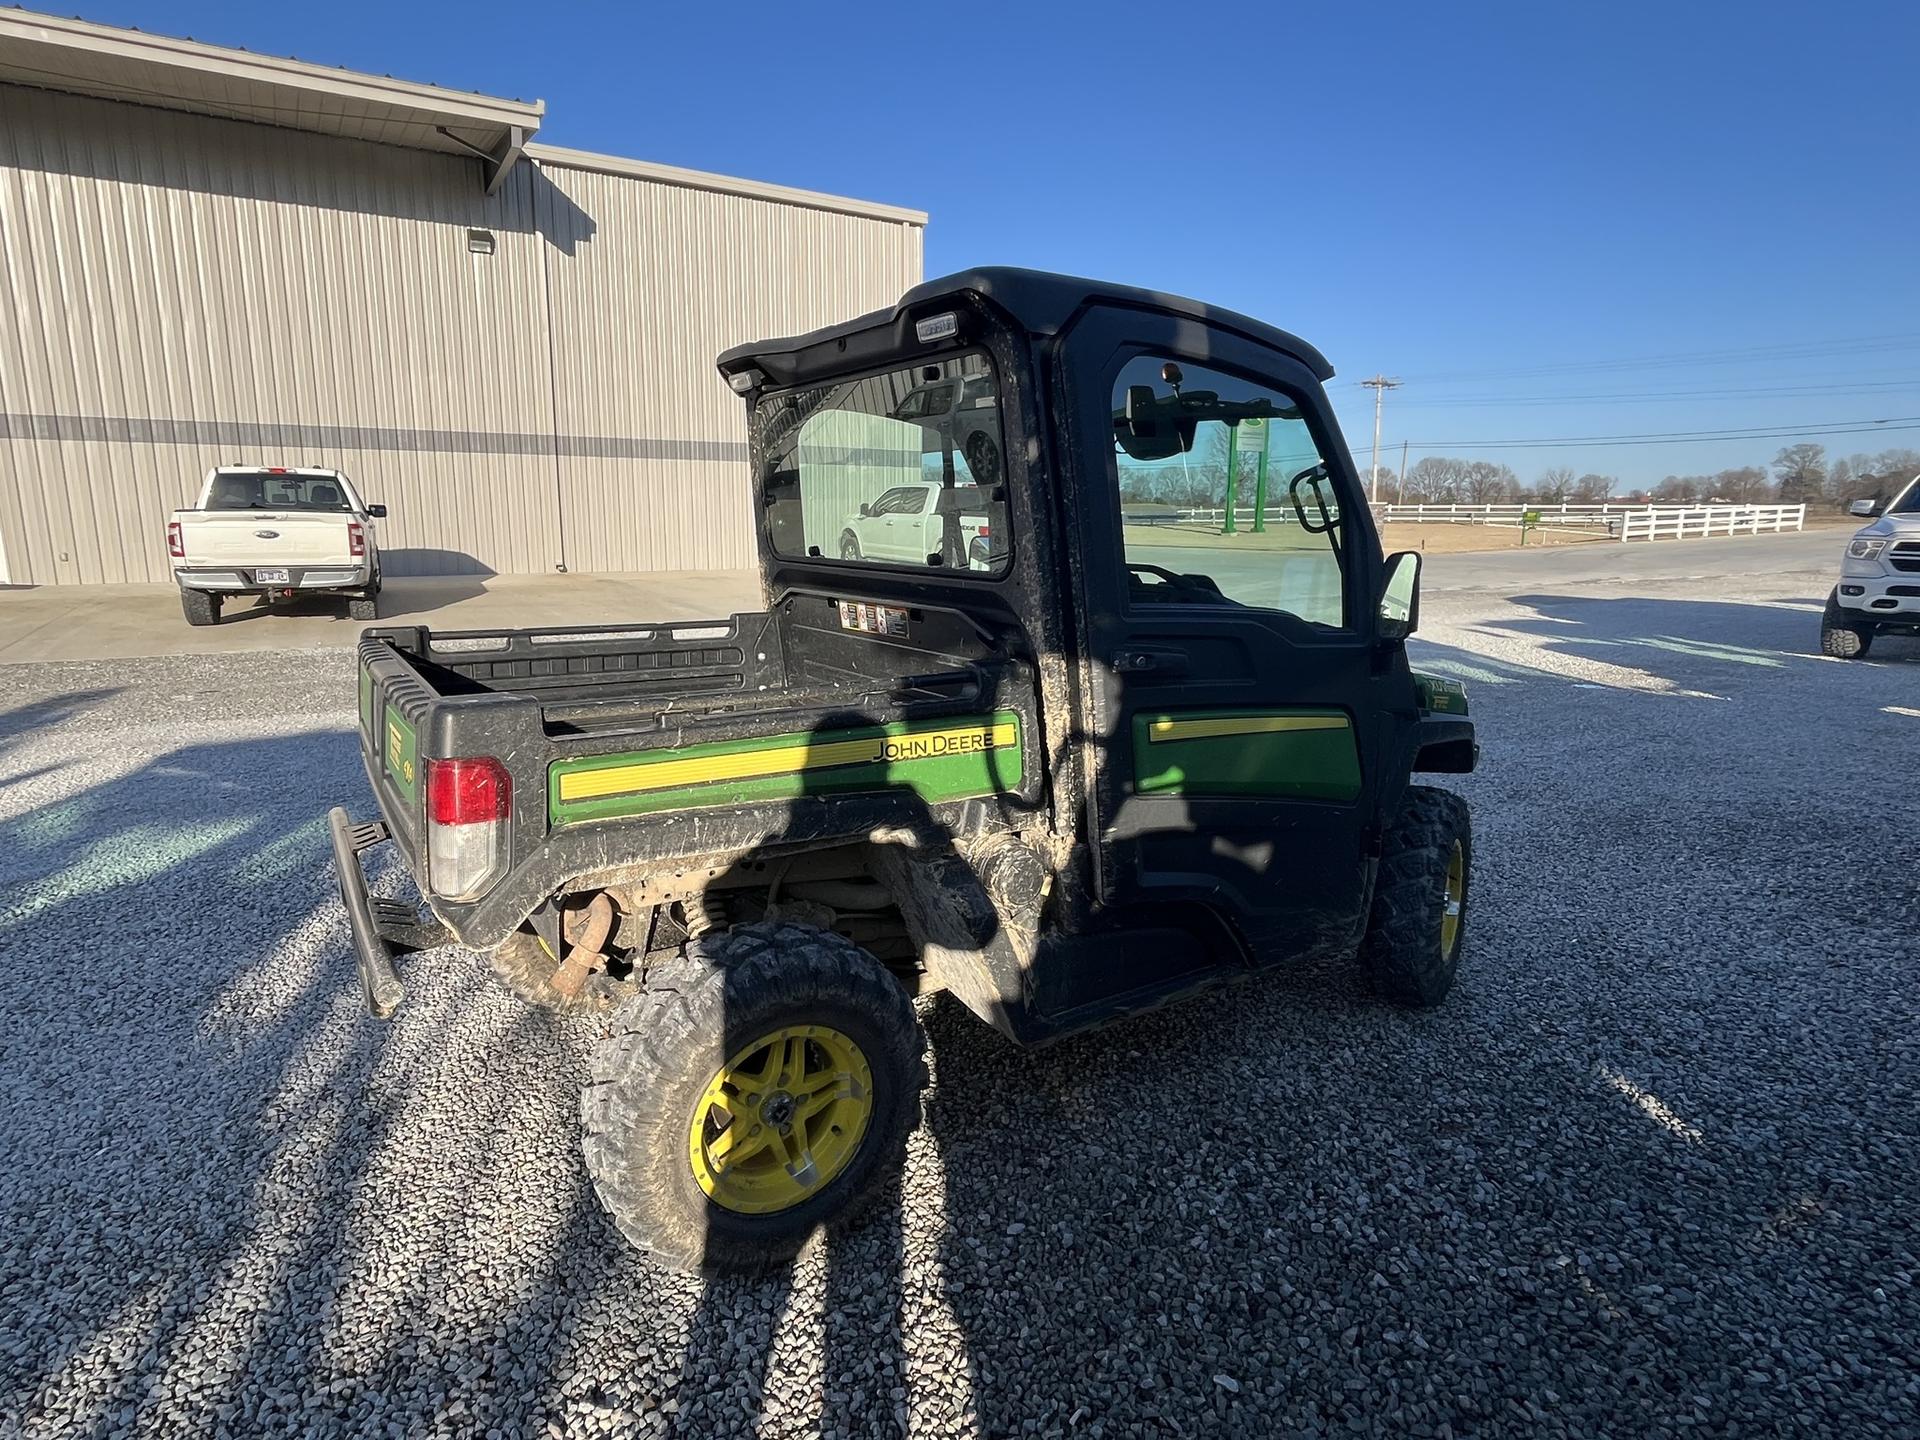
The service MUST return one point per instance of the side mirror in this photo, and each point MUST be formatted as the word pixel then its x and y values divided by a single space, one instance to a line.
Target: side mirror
pixel 1866 509
pixel 378 512
pixel 866 510
pixel 1399 613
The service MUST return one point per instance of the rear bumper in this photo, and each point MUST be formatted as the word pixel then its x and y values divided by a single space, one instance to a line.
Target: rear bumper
pixel 299 577
pixel 381 927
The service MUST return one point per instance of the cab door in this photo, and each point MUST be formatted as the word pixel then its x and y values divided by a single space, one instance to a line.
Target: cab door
pixel 1233 670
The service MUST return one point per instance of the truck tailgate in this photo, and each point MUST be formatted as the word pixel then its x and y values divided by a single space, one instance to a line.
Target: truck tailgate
pixel 394 705
pixel 261 537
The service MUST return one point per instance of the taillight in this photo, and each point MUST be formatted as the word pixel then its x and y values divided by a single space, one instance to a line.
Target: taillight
pixel 356 538
pixel 176 542
pixel 469 812
pixel 983 531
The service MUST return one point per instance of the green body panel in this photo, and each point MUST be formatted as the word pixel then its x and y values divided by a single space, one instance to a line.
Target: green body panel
pixel 1440 695
pixel 400 749
pixel 933 778
pixel 1308 764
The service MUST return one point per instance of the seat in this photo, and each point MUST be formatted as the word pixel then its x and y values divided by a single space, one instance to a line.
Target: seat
pixel 236 492
pixel 324 494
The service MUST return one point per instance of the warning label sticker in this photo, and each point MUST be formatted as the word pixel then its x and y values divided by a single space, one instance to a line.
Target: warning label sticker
pixel 872 619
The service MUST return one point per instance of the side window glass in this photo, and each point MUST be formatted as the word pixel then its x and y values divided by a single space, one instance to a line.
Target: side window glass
pixel 911 502
pixel 1224 497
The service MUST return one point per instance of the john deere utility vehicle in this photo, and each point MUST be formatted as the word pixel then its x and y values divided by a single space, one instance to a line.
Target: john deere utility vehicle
pixel 1059 761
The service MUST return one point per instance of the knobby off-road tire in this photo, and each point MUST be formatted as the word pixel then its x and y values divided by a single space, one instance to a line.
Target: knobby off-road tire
pixel 363 608
pixel 663 1050
pixel 1412 952
pixel 1839 636
pixel 201 607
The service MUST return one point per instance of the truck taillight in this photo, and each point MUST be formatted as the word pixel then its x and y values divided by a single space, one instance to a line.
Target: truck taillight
pixel 469 812
pixel 176 543
pixel 356 539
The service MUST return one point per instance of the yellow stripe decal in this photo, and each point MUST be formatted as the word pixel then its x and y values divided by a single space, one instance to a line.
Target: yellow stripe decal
pixel 783 760
pixel 1242 725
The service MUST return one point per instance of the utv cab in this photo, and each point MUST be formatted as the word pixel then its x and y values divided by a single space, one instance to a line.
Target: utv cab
pixel 1063 766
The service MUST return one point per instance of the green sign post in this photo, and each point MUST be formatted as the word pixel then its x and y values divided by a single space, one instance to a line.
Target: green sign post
pixel 1248 435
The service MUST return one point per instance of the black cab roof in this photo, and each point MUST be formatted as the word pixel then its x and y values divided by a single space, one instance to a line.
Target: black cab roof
pixel 1037 300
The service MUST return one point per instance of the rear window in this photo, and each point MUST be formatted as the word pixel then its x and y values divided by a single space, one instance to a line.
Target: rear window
pixel 900 468
pixel 267 491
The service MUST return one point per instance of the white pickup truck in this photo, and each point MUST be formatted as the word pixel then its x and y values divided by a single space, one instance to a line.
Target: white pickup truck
pixel 1879 589
pixel 905 524
pixel 270 530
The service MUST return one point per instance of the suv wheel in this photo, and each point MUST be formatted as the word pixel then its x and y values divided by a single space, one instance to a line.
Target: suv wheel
pixel 1840 637
pixel 849 546
pixel 1418 926
pixel 759 1087
pixel 202 607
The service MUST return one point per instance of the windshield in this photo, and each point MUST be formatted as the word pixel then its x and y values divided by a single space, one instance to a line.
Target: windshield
pixel 267 491
pixel 901 468
pixel 1909 503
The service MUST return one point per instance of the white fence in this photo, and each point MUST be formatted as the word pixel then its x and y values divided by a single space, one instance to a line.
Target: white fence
pixel 1676 522
pixel 1624 522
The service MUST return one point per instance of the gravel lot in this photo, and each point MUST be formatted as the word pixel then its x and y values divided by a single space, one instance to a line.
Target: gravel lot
pixel 1652 1170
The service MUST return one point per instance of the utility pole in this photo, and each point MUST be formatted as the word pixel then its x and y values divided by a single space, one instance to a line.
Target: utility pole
pixel 1400 490
pixel 1379 384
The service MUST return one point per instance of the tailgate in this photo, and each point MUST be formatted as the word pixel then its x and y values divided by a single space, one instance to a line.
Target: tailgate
pixel 262 537
pixel 395 705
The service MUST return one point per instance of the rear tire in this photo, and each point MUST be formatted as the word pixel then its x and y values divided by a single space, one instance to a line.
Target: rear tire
pixel 1840 637
pixel 202 607
pixel 363 608
pixel 1418 926
pixel 524 965
pixel 647 1110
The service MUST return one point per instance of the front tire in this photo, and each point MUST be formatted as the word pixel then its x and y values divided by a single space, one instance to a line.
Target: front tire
pixel 759 1087
pixel 849 546
pixel 1418 926
pixel 201 607
pixel 1839 636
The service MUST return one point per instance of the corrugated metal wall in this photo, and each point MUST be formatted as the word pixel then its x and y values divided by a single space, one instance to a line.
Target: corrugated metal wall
pixel 177 292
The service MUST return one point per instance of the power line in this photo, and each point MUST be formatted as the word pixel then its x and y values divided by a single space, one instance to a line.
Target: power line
pixel 1684 437
pixel 1731 393
pixel 1789 350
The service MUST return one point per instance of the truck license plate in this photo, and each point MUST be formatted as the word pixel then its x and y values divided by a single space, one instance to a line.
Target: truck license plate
pixel 270 577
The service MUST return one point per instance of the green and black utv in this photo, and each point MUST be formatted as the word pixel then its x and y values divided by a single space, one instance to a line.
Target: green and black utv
pixel 1061 733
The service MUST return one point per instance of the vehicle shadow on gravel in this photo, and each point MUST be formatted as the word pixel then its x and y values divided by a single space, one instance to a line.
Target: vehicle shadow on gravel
pixel 202 1117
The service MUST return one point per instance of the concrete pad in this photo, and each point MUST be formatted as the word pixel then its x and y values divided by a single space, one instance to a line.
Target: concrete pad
pixel 116 622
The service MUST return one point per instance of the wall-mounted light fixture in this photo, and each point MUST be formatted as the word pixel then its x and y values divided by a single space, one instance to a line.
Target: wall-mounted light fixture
pixel 480 242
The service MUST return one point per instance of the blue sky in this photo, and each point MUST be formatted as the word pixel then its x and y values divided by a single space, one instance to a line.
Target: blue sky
pixel 1529 212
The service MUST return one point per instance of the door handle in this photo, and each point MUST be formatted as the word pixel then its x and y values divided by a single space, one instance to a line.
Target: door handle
pixel 1170 663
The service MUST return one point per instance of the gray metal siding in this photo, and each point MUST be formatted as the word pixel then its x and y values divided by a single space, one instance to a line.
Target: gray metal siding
pixel 179 291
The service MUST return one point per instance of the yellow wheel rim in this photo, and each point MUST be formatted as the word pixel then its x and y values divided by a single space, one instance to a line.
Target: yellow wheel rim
pixel 1456 898
pixel 780 1119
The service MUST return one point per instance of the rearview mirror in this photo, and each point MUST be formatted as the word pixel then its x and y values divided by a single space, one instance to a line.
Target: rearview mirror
pixel 1151 428
pixel 378 512
pixel 1867 509
pixel 1399 613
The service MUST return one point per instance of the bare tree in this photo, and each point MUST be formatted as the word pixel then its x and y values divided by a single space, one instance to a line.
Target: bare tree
pixel 1802 473
pixel 1555 485
pixel 1488 484
pixel 1593 489
pixel 1436 480
pixel 1745 486
pixel 1680 489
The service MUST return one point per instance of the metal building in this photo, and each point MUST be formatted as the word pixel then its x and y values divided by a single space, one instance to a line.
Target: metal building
pixel 209 256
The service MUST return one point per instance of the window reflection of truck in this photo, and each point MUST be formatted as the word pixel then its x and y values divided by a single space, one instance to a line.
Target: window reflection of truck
pixel 906 523
pixel 967 403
